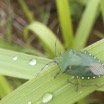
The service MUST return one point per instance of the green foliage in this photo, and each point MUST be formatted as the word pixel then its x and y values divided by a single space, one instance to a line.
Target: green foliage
pixel 11 67
pixel 86 24
pixel 46 36
pixel 15 64
pixel 5 87
pixel 65 22
pixel 27 11
pixel 36 88
pixel 102 9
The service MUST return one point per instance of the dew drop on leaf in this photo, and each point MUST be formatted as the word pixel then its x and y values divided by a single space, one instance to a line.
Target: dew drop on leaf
pixel 47 97
pixel 33 62
pixel 15 58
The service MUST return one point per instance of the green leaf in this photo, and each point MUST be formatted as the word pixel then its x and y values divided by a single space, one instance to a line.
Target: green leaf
pixel 9 28
pixel 26 10
pixel 5 88
pixel 101 88
pixel 34 90
pixel 46 36
pixel 102 9
pixel 17 64
pixel 62 92
pixel 63 9
pixel 86 24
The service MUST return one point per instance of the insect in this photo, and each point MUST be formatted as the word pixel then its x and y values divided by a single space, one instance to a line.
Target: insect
pixel 80 64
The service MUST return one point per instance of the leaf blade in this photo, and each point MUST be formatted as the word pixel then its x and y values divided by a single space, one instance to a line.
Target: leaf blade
pixel 65 21
pixel 19 68
pixel 86 24
pixel 35 89
pixel 102 9
pixel 46 36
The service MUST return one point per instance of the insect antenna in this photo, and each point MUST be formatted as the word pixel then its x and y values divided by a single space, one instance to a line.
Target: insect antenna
pixel 55 47
pixel 44 67
pixel 56 42
pixel 54 55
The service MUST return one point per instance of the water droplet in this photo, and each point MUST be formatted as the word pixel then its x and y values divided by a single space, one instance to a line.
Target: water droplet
pixel 47 97
pixel 29 102
pixel 15 57
pixel 32 62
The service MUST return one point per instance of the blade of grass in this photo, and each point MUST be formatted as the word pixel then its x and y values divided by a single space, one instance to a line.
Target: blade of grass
pixel 21 67
pixel 86 24
pixel 102 8
pixel 99 34
pixel 5 88
pixel 34 90
pixel 46 36
pixel 9 23
pixel 26 11
pixel 9 30
pixel 63 9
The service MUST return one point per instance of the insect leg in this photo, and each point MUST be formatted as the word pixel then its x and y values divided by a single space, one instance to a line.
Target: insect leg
pixel 77 83
pixel 94 84
pixel 56 74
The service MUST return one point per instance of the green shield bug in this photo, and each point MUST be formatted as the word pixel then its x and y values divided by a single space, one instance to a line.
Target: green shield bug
pixel 80 64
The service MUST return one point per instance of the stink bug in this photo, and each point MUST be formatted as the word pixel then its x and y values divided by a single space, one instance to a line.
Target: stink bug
pixel 79 64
